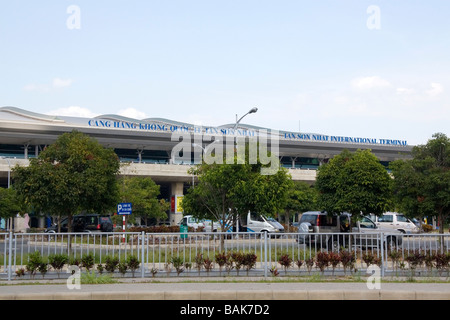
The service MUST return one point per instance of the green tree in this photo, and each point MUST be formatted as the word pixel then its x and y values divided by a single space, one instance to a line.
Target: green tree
pixel 301 197
pixel 72 175
pixel 226 190
pixel 354 182
pixel 422 184
pixel 143 193
pixel 10 205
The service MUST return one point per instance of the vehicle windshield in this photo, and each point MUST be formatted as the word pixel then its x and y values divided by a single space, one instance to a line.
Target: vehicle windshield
pixel 367 223
pixel 402 218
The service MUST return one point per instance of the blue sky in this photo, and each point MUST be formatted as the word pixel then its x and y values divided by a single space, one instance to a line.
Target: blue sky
pixel 377 69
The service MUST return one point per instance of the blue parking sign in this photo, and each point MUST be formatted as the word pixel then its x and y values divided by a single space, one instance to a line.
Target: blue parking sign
pixel 124 208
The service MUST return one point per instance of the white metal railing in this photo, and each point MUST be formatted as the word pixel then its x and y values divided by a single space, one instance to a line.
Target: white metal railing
pixel 199 253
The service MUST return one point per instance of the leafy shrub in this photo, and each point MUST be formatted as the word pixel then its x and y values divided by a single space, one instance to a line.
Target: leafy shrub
pixel 249 261
pixel 309 264
pixel 20 272
pixel 442 262
pixel 238 260
pixel 111 263
pixel 57 262
pixel 395 257
pixel 133 264
pixel 274 271
pixel 87 261
pixel 198 259
pixel 334 259
pixel 414 259
pixel 368 258
pixel 178 264
pixel 74 261
pixel 34 261
pixel 285 261
pixel 160 229
pixel 123 267
pixel 347 260
pixel 322 260
pixel 208 264
pixel 100 268
pixel 299 263
pixel 187 266
pixel 43 268
pixel 222 259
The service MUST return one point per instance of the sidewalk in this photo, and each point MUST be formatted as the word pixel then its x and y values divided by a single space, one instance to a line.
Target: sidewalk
pixel 229 289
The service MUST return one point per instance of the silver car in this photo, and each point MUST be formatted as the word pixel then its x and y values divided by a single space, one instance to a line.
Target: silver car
pixel 395 221
pixel 333 232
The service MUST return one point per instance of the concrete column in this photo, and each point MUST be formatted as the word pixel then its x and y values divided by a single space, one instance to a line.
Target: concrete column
pixel 175 197
pixel 25 151
pixel 293 162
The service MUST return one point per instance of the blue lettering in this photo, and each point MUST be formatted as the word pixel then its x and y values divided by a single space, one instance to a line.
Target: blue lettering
pixel 99 123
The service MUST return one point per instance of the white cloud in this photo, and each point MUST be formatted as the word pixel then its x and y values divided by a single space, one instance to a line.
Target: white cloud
pixel 37 87
pixel 404 91
pixel 436 89
pixel 132 113
pixel 73 111
pixel 57 83
pixel 370 83
pixel 202 120
pixel 61 83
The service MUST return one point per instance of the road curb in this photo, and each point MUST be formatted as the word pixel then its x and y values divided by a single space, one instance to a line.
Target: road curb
pixel 236 295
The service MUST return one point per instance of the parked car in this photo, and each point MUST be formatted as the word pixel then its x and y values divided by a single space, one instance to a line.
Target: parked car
pixel 395 221
pixel 85 223
pixel 333 231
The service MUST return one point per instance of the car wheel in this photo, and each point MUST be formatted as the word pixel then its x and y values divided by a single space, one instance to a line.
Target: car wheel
pixel 333 244
pixel 106 227
pixel 391 243
pixel 336 243
pixel 52 234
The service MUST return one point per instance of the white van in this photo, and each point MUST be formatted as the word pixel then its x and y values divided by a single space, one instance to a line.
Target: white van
pixel 259 223
pixel 191 222
pixel 396 221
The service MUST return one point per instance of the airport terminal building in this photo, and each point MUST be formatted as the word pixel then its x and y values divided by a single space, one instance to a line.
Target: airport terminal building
pixel 147 147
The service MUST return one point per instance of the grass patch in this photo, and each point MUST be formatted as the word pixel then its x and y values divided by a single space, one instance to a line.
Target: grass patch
pixel 93 278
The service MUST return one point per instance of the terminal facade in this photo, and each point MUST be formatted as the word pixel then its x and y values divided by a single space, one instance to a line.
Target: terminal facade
pixel 151 147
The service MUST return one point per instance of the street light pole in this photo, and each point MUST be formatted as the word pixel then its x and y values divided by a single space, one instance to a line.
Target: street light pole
pixel 252 110
pixel 204 149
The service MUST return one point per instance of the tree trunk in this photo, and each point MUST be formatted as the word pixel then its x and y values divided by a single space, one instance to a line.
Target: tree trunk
pixel 59 223
pixel 69 230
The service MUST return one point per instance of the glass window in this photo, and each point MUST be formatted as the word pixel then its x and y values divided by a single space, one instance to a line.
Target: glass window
pixel 192 220
pixel 328 221
pixel 367 223
pixel 386 218
pixel 311 218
